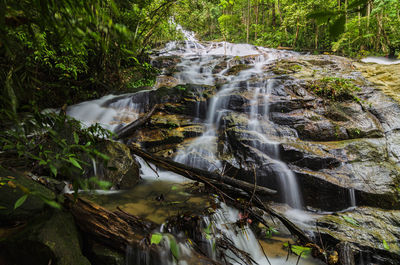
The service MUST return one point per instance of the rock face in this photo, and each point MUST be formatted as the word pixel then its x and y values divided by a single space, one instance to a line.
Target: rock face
pixel 332 146
pixel 343 153
pixel 374 232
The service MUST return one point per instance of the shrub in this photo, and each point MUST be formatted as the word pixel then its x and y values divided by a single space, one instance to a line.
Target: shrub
pixel 335 88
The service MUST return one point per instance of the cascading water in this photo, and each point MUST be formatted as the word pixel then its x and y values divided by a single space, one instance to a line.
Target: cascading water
pixel 203 151
pixel 196 67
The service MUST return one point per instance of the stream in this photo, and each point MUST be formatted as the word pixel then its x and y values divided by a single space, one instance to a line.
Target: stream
pixel 197 65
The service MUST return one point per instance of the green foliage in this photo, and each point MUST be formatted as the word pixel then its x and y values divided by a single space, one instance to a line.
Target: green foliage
pixel 53 144
pixel 344 27
pixel 350 220
pixel 72 50
pixel 20 201
pixel 301 251
pixel 156 238
pixel 270 231
pixel 385 245
pixel 335 88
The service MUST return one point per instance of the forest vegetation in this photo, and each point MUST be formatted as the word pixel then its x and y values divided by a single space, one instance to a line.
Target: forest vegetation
pixel 57 53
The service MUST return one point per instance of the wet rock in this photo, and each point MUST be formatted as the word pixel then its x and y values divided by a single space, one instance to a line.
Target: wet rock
pixel 101 255
pixel 385 77
pixel 166 81
pixel 386 110
pixel 235 70
pixel 149 138
pixel 9 194
pixel 393 146
pixel 309 156
pixel 166 63
pixel 122 170
pixel 366 229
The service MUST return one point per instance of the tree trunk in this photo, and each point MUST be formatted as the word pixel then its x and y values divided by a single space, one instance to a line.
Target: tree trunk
pixel 256 29
pixel 199 174
pixel 248 21
pixel 118 229
pixel 297 32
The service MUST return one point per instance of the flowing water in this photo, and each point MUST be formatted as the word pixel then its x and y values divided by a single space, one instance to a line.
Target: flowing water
pixel 197 63
pixel 195 56
pixel 380 60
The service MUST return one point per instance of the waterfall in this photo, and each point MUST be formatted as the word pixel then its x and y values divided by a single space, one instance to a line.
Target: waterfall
pixel 352 196
pixel 203 151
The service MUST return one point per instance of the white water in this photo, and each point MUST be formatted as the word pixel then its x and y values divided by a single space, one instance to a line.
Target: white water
pixel 380 60
pixel 352 197
pixel 198 60
pixel 194 57
pixel 110 111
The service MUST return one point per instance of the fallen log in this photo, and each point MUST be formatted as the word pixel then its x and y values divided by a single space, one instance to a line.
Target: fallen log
pixel 220 182
pixel 199 174
pixel 119 229
pixel 131 127
pixel 104 225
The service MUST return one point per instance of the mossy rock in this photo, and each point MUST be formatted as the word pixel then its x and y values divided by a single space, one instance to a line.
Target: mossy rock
pixel 55 237
pixel 9 195
pixel 234 70
pixel 102 255
pixel 122 170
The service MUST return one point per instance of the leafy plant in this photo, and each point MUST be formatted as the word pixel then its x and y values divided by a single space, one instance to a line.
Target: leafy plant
pixel 54 143
pixel 301 251
pixel 335 88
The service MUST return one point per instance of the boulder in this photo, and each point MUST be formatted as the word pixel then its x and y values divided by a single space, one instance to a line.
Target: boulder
pixel 122 170
pixel 11 192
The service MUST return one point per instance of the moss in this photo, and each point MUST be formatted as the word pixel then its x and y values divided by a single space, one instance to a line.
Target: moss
pixel 237 68
pixel 8 196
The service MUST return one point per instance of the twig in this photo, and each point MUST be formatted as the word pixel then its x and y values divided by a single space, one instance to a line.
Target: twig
pixel 262 249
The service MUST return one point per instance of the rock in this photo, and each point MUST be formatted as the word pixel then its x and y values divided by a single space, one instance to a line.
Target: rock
pixel 101 255
pixel 166 81
pixel 33 205
pixel 385 77
pixel 53 236
pixel 311 156
pixel 235 70
pixel 26 252
pixel 366 229
pixel 122 170
pixel 167 64
pixel 149 138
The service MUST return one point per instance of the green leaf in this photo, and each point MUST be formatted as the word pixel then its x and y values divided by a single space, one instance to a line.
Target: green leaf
pixel 301 251
pixel 350 220
pixel 20 201
pixel 76 137
pixel 52 203
pixel 174 248
pixel 53 170
pixel 174 187
pixel 385 245
pixel 74 162
pixel 156 238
